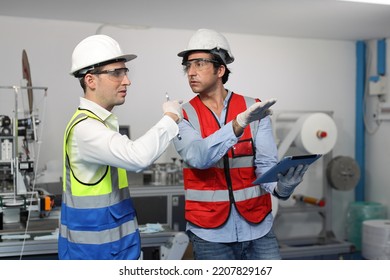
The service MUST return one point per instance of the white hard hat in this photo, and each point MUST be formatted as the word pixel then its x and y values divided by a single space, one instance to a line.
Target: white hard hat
pixel 95 50
pixel 209 40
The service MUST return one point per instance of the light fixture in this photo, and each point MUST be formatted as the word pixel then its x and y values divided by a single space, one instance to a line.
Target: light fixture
pixel 379 2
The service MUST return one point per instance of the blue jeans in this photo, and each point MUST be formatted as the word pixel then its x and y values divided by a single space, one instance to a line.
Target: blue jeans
pixel 264 248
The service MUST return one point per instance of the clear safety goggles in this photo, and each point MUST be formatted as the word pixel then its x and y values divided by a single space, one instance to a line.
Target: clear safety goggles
pixel 113 74
pixel 198 63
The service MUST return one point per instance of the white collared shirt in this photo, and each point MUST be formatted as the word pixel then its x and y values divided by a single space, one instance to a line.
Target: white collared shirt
pixel 94 145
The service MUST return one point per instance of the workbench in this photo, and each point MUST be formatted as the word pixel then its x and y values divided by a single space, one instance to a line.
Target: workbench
pixel 41 241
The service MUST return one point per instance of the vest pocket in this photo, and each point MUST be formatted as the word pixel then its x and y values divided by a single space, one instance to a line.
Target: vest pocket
pixel 127 248
pixel 243 148
pixel 201 179
pixel 246 177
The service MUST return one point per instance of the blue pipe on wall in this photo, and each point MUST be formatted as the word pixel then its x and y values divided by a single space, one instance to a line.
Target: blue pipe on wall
pixel 359 120
pixel 381 57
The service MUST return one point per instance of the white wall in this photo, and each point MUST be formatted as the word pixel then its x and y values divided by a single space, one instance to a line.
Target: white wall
pixel 302 74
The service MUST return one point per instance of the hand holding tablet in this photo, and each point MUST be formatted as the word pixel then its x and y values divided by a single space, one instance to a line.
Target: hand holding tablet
pixel 284 165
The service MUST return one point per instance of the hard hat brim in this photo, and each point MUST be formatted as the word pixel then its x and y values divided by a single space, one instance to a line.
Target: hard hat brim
pixel 183 53
pixel 125 57
pixel 229 59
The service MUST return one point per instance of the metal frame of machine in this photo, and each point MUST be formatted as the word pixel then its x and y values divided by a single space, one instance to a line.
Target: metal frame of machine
pixel 17 161
pixel 325 243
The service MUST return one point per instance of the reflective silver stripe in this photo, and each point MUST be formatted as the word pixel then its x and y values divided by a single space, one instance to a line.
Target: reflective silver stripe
pixel 99 237
pixel 218 164
pixel 192 116
pixel 233 163
pixel 99 201
pixel 239 162
pixel 207 196
pixel 248 193
pixel 253 125
pixel 223 195
pixel 73 121
pixel 67 172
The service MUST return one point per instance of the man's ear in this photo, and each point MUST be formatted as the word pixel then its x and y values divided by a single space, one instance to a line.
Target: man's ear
pixel 221 71
pixel 90 81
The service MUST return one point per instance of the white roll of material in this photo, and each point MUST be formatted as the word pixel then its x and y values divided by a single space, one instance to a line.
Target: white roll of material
pixel 314 133
pixel 318 134
pixel 376 240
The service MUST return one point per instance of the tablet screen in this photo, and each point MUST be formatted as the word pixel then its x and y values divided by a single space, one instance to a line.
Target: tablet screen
pixel 284 165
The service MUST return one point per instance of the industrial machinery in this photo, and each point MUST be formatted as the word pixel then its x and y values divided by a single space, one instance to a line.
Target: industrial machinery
pixel 22 206
pixel 306 132
pixel 24 210
pixel 18 138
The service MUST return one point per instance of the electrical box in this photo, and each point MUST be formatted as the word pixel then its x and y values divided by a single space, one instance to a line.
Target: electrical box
pixel 377 85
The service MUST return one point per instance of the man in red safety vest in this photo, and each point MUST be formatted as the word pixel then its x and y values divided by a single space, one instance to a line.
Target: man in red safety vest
pixel 226 143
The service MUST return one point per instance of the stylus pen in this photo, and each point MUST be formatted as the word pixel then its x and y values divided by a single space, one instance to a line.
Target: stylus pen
pixel 167 96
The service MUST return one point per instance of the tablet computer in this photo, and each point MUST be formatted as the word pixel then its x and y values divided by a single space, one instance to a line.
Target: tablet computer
pixel 284 165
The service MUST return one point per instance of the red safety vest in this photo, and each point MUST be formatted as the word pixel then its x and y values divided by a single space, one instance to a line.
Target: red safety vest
pixel 210 192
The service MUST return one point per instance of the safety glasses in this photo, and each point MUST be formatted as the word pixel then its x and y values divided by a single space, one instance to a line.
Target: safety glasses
pixel 113 74
pixel 198 63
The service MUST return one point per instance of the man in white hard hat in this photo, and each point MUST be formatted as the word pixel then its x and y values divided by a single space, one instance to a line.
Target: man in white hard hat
pixel 98 220
pixel 226 143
